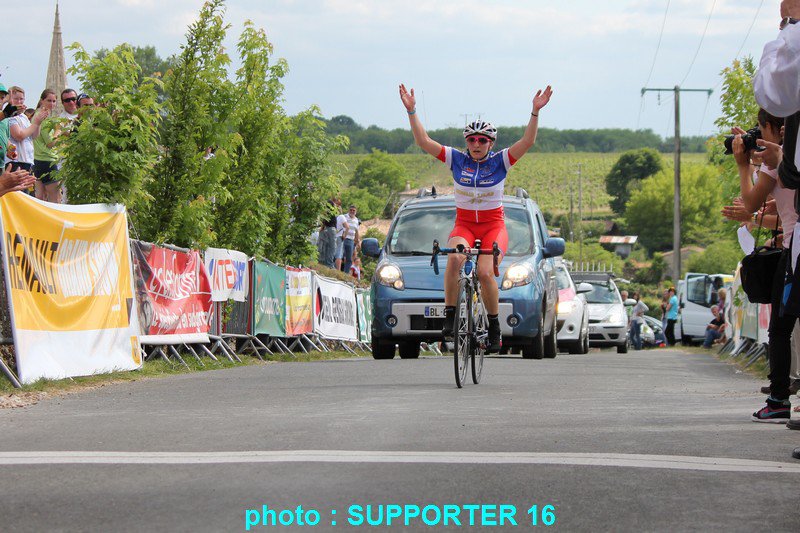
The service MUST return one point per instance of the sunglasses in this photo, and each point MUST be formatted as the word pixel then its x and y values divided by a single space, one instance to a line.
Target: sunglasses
pixel 72 99
pixel 479 140
pixel 786 21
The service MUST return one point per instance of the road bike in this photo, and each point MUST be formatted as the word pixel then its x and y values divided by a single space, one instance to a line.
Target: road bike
pixel 471 330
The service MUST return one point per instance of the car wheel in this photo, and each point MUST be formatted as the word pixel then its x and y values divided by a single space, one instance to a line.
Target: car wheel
pixel 409 350
pixel 585 347
pixel 535 348
pixel 551 344
pixel 382 350
pixel 622 348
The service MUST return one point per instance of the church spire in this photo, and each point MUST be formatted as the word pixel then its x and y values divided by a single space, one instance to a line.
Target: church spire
pixel 57 66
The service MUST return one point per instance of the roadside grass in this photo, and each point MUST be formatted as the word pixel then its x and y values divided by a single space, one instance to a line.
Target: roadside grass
pixel 154 369
pixel 759 369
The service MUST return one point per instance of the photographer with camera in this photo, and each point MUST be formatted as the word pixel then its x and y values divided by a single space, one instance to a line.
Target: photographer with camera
pixel 754 196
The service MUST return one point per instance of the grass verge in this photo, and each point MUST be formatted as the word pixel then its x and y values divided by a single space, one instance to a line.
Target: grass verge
pixel 44 388
pixel 758 369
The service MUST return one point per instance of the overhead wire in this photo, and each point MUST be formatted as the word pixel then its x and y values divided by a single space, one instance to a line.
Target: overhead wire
pixel 653 65
pixel 700 44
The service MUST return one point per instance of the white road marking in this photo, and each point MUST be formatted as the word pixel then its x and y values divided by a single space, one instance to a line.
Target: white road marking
pixel 669 462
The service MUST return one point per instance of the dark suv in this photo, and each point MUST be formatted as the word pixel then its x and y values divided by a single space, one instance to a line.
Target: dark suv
pixel 408 298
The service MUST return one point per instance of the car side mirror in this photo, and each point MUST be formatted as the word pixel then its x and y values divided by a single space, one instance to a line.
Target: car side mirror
pixel 630 302
pixel 583 288
pixel 370 247
pixel 553 247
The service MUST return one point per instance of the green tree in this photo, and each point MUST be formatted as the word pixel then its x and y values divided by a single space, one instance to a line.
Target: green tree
pixel 110 152
pixel 649 212
pixel 199 108
pixel 720 256
pixel 380 174
pixel 148 59
pixel 628 172
pixel 369 206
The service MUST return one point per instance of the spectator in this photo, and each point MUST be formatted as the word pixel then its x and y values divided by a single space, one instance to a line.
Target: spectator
pixel 714 328
pixel 351 237
pixel 355 268
pixel 341 229
pixel 69 99
pixel 672 316
pixel 30 112
pixel 753 196
pixel 84 100
pixel 664 302
pixel 45 164
pixel 24 131
pixel 326 245
pixel 15 180
pixel 4 98
pixel 637 321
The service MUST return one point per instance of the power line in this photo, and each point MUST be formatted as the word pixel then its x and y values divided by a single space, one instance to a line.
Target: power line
pixel 751 28
pixel 653 66
pixel 700 45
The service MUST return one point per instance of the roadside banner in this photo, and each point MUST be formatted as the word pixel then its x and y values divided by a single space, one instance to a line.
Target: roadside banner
pixel 299 316
pixel 750 322
pixel 174 294
pixel 763 323
pixel 335 309
pixel 70 285
pixel 269 299
pixel 364 315
pixel 228 272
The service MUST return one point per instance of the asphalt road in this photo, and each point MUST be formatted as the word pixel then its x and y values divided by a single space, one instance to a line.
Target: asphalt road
pixel 650 441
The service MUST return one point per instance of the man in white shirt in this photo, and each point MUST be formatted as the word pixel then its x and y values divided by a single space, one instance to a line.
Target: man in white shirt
pixel 69 99
pixel 350 237
pixel 341 228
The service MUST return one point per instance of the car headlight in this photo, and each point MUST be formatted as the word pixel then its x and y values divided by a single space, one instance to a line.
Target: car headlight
pixel 517 275
pixel 390 275
pixel 616 316
pixel 565 308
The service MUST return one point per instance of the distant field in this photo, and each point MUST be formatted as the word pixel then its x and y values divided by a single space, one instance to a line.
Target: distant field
pixel 547 177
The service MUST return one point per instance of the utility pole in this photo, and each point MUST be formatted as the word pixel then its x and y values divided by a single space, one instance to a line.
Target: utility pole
pixel 676 212
pixel 580 214
pixel 571 216
pixel 466 117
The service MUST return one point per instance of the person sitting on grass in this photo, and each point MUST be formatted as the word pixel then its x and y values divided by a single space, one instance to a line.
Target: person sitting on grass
pixel 715 328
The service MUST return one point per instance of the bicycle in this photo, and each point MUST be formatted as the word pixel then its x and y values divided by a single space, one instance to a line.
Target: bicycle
pixel 471 329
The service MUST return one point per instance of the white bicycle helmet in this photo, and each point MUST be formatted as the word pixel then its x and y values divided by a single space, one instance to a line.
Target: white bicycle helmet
pixel 480 127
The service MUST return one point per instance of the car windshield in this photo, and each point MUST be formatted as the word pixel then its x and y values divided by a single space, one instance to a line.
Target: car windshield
pixel 562 278
pixel 603 293
pixel 415 230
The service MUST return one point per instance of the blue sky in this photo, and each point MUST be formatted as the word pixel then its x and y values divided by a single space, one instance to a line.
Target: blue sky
pixel 462 56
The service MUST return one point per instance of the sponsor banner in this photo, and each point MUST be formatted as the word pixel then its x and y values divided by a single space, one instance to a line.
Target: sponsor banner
pixel 750 321
pixel 70 285
pixel 763 323
pixel 299 300
pixel 269 299
pixel 228 272
pixel 174 294
pixel 335 309
pixel 364 315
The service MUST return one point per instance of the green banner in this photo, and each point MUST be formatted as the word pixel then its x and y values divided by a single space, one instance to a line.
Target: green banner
pixel 269 300
pixel 364 304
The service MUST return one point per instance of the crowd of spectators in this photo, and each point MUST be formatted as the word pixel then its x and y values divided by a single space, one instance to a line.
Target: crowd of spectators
pixel 29 140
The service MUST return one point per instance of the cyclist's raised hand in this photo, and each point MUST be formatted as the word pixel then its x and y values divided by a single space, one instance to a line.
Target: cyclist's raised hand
pixel 541 98
pixel 408 98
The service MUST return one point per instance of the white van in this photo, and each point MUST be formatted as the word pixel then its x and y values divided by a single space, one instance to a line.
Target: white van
pixel 696 294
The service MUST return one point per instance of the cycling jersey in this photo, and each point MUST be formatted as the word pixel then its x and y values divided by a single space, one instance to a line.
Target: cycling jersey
pixel 478 184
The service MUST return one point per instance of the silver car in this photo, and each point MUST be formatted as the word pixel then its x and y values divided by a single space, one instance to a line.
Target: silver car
pixel 608 321
pixel 573 312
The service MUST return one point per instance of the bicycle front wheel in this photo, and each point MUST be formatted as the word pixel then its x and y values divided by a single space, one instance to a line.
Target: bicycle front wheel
pixel 480 322
pixel 462 337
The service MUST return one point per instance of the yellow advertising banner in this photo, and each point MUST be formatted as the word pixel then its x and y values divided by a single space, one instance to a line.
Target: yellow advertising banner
pixel 70 285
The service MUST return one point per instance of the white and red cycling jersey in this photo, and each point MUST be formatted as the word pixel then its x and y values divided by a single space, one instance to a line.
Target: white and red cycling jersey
pixel 479 185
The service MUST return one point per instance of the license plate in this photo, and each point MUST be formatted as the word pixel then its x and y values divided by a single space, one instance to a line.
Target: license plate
pixel 434 311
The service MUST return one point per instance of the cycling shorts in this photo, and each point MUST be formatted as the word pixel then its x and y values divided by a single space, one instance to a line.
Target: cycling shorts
pixel 488 231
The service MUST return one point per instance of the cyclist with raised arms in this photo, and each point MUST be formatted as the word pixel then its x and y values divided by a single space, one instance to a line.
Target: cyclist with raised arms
pixel 479 176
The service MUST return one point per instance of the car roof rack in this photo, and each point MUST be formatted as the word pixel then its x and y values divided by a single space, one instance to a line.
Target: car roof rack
pixel 427 192
pixel 586 275
pixel 522 193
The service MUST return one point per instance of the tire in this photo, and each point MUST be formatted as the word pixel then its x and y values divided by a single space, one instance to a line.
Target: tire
pixel 462 332
pixel 622 348
pixel 409 350
pixel 481 329
pixel 382 350
pixel 551 343
pixel 585 348
pixel 535 348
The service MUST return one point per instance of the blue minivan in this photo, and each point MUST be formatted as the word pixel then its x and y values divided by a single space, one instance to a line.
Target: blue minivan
pixel 408 298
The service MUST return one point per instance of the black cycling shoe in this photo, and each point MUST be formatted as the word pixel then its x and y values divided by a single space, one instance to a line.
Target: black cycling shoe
pixel 449 322
pixel 494 339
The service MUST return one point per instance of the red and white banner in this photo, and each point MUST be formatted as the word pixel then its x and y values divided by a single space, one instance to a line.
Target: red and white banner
pixel 229 274
pixel 174 295
pixel 335 314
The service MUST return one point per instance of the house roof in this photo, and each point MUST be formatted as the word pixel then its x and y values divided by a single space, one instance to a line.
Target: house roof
pixel 614 239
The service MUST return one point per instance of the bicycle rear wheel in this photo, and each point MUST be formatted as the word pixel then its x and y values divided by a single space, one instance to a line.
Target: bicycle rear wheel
pixel 480 322
pixel 462 337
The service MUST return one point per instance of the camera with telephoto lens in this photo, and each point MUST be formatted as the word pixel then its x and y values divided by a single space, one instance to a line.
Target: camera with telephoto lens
pixel 749 138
